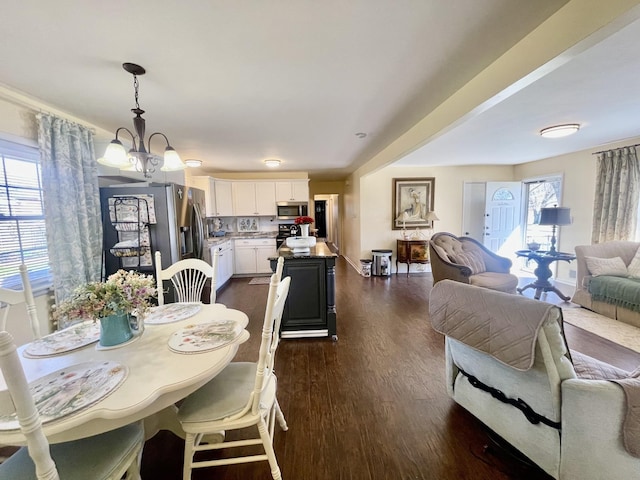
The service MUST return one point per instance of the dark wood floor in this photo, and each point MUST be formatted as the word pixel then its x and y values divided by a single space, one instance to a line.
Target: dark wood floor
pixel 371 406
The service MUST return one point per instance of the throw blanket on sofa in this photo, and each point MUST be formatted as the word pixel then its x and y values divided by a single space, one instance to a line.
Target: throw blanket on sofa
pixel 509 334
pixel 590 368
pixel 620 291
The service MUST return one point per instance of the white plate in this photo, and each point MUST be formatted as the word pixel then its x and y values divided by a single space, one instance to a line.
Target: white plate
pixel 63 341
pixel 171 312
pixel 70 390
pixel 204 337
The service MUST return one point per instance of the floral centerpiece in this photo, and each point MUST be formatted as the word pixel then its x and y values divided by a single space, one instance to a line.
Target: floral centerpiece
pixel 303 220
pixel 304 223
pixel 111 302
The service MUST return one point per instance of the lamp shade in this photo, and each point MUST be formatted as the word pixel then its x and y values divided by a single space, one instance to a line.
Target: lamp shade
pixel 115 156
pixel 172 161
pixel 431 216
pixel 555 216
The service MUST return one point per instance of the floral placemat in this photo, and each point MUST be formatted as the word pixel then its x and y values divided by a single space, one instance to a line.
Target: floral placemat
pixel 70 390
pixel 171 312
pixel 63 341
pixel 204 337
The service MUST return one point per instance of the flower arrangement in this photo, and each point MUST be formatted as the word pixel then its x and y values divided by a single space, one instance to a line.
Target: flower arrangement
pixel 123 292
pixel 303 220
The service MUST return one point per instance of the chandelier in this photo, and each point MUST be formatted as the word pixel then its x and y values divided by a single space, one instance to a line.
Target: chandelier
pixel 139 157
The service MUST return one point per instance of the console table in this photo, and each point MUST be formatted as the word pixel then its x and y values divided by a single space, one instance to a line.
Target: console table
pixel 412 251
pixel 543 272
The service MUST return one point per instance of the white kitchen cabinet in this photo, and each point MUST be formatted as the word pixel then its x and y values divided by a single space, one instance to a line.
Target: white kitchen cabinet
pixel 217 193
pixel 292 191
pixel 254 198
pixel 225 262
pixel 252 255
pixel 224 198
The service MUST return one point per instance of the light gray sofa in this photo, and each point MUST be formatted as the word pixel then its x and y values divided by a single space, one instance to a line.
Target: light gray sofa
pixel 623 249
pixel 586 441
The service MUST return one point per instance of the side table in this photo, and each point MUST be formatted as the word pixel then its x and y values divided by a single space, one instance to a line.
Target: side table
pixel 543 272
pixel 412 251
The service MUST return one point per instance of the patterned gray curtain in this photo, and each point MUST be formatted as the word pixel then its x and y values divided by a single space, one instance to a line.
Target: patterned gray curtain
pixel 71 202
pixel 615 208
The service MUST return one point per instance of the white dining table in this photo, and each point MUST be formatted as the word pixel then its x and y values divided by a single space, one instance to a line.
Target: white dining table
pixel 157 378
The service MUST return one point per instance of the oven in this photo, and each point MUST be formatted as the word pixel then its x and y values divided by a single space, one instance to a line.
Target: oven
pixel 286 230
pixel 291 210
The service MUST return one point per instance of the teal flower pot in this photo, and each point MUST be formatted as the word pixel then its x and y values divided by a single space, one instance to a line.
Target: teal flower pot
pixel 115 329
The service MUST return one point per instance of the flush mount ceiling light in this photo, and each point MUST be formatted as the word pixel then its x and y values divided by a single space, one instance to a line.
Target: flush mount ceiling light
pixel 139 157
pixel 272 163
pixel 558 131
pixel 193 162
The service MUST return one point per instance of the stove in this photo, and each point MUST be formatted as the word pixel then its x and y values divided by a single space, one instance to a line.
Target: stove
pixel 286 230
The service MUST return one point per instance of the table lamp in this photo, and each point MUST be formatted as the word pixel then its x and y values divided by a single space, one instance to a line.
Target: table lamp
pixel 432 217
pixel 556 216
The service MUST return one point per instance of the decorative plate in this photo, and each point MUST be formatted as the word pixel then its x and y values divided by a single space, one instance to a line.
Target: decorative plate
pixel 171 312
pixel 204 337
pixel 70 390
pixel 71 338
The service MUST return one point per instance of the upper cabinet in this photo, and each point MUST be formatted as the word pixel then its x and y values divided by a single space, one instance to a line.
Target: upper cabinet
pixel 253 198
pixel 218 199
pixel 224 198
pixel 292 191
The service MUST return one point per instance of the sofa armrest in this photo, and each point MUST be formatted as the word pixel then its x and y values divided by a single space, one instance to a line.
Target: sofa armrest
pixel 592 416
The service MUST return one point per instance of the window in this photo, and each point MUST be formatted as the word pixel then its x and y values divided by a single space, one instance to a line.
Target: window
pixel 22 228
pixel 540 193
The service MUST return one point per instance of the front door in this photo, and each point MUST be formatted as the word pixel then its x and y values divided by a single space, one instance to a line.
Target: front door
pixel 502 217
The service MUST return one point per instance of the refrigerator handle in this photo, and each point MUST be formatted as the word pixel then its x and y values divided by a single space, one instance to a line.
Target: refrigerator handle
pixel 199 232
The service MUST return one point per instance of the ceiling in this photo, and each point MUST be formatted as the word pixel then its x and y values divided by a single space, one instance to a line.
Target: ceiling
pixel 235 83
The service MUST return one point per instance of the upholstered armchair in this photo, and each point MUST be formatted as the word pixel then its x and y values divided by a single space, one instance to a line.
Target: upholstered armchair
pixel 465 260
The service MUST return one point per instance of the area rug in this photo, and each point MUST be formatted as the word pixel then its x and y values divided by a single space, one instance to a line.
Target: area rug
pixel 618 332
pixel 260 281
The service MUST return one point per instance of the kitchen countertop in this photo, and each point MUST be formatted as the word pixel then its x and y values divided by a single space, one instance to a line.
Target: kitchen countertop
pixel 321 250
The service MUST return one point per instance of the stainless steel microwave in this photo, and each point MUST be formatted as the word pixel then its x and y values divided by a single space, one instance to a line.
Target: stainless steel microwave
pixel 291 210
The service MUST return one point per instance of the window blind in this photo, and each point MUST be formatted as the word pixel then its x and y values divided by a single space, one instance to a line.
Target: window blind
pixel 22 229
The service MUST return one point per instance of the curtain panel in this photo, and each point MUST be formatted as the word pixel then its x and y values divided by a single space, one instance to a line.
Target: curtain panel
pixel 615 206
pixel 71 197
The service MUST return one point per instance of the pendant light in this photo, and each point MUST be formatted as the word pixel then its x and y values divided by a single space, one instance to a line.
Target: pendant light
pixel 139 157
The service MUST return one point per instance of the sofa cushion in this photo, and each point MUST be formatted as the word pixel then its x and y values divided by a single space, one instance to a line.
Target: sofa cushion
pixel 606 266
pixel 502 282
pixel 634 267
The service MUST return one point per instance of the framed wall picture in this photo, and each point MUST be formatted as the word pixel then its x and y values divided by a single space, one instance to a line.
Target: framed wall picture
pixel 412 201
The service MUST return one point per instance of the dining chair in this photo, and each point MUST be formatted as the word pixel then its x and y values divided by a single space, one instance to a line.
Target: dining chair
pixel 188 278
pixel 10 297
pixel 108 456
pixel 243 395
pixel 279 268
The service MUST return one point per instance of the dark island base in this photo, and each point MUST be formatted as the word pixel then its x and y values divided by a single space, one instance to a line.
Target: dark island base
pixel 310 310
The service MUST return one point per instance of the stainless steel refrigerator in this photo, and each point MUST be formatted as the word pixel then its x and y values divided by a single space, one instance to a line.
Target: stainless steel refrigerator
pixel 140 219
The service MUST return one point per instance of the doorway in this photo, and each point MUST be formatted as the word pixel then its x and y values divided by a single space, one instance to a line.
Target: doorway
pixel 491 215
pixel 327 219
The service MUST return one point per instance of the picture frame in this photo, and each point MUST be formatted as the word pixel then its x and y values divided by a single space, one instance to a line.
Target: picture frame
pixel 412 201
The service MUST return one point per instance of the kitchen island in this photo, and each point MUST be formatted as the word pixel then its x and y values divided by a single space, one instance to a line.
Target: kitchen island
pixel 310 310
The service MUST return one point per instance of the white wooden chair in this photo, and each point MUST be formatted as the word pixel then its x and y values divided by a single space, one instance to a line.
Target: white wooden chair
pixel 243 395
pixel 9 298
pixel 108 456
pixel 188 278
